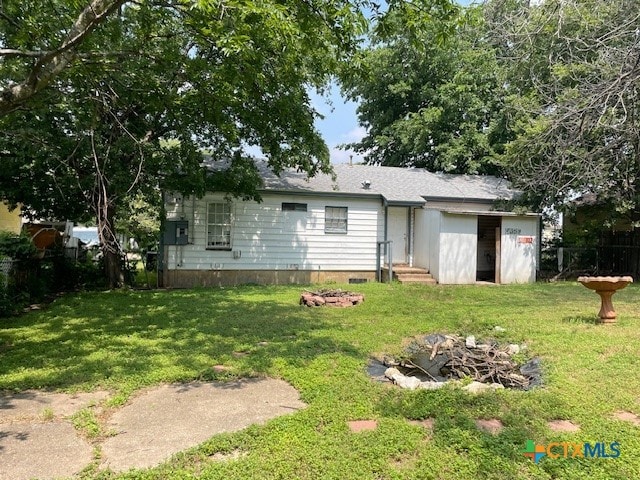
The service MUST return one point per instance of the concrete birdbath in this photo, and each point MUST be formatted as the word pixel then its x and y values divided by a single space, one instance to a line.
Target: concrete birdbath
pixel 606 287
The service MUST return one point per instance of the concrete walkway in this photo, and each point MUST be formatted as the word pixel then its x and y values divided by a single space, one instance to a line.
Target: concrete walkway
pixel 37 439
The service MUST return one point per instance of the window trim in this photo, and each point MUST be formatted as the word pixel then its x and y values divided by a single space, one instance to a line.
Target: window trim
pixel 336 230
pixel 225 247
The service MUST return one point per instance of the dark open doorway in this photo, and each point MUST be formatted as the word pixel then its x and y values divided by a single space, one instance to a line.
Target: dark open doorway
pixel 488 249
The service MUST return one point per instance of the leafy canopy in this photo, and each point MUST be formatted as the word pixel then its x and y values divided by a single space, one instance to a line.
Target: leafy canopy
pixel 431 100
pixel 115 101
pixel 573 75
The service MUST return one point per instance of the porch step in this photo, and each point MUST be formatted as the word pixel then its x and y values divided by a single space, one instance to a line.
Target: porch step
pixel 425 278
pixel 407 274
pixel 407 270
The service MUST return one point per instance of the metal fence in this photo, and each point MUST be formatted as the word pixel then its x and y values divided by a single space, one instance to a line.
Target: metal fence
pixel 609 260
pixel 5 269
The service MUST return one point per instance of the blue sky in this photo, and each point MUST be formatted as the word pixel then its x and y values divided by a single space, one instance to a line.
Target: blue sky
pixel 340 123
pixel 339 126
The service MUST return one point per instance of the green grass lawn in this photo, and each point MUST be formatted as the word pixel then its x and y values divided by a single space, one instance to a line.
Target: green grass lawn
pixel 123 341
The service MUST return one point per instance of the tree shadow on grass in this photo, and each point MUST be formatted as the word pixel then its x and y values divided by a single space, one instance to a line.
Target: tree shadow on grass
pixel 116 338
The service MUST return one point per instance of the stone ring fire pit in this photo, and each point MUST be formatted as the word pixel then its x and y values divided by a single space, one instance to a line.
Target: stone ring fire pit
pixel 331 298
pixel 606 287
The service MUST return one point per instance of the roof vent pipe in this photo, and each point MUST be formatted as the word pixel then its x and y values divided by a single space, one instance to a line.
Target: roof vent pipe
pixel 366 184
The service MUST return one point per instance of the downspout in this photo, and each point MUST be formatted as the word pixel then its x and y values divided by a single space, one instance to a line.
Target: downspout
pixel 180 248
pixel 538 247
pixel 161 262
pixel 410 227
pixel 192 227
pixel 387 248
pixel 386 227
pixel 381 245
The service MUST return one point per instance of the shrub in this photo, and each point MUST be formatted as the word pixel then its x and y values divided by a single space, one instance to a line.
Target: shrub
pixel 23 283
pixel 17 247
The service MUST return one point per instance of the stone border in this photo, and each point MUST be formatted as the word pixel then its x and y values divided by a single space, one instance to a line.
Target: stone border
pixel 331 299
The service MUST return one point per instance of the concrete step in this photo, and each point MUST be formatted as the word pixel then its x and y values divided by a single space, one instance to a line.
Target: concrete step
pixel 409 277
pixel 425 279
pixel 406 274
pixel 402 269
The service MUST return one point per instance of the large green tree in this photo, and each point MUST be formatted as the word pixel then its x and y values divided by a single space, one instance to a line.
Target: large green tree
pixel 431 100
pixel 107 101
pixel 574 74
pixel 157 85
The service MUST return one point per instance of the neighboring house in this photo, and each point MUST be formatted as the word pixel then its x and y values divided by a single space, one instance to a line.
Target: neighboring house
pixel 10 220
pixel 317 229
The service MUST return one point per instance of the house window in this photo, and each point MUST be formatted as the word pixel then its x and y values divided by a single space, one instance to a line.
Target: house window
pixel 294 207
pixel 335 219
pixel 219 226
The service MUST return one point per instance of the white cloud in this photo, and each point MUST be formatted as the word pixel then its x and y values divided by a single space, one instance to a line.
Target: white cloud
pixel 355 134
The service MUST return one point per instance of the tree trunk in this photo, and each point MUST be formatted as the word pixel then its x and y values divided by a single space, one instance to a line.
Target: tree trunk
pixel 111 249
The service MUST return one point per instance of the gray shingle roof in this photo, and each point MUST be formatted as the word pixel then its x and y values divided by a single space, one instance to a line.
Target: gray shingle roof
pixel 396 185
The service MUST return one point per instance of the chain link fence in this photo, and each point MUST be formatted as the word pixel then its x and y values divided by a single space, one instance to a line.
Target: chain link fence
pixel 6 264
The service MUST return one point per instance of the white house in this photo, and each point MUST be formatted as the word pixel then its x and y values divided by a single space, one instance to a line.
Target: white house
pixel 318 229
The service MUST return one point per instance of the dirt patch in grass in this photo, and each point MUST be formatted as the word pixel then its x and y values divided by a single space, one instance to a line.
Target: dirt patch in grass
pixel 627 417
pixel 362 425
pixel 563 426
pixel 426 423
pixel 492 426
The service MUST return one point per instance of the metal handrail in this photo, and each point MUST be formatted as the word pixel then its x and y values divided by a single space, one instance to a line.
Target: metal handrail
pixel 387 249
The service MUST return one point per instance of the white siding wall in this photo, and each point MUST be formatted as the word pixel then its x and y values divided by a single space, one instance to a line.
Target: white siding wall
pixel 266 238
pixel 427 235
pixel 434 225
pixel 458 247
pixel 519 260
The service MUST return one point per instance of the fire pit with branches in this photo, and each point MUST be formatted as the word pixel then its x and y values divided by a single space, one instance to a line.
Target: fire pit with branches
pixel 429 362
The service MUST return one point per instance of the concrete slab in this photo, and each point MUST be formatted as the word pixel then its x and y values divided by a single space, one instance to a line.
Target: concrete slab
pixel 41 450
pixel 168 419
pixel 32 404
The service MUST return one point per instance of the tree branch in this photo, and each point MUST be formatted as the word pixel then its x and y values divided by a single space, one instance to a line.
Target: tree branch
pixel 51 63
pixel 12 52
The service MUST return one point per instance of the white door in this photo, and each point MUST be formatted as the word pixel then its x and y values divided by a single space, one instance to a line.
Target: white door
pixel 397 232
